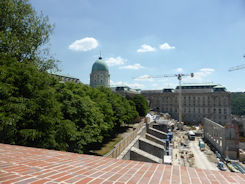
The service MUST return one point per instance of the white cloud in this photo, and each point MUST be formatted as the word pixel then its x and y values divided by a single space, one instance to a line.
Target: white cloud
pixel 84 44
pixel 238 90
pixel 166 46
pixel 146 48
pixel 200 75
pixel 144 78
pixel 131 85
pixel 115 61
pixel 132 67
pixel 179 70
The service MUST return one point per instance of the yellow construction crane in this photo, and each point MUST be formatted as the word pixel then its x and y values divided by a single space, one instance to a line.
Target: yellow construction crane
pixel 239 67
pixel 179 77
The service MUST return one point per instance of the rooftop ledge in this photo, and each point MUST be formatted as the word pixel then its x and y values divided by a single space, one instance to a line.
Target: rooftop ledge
pixel 20 165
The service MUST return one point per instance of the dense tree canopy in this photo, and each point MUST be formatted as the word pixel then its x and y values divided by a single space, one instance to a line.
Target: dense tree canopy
pixel 35 108
pixel 28 107
pixel 23 33
pixel 140 103
pixel 238 103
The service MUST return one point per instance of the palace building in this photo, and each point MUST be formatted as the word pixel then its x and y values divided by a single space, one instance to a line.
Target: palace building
pixel 198 101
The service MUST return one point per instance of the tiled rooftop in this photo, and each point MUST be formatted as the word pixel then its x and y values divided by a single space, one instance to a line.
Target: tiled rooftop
pixel 22 165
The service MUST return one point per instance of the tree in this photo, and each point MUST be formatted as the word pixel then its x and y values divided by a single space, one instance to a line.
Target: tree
pixel 82 114
pixel 23 33
pixel 29 111
pixel 141 104
pixel 238 103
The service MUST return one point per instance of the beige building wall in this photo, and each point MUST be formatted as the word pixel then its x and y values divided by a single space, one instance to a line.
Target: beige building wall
pixel 196 106
pixel 99 78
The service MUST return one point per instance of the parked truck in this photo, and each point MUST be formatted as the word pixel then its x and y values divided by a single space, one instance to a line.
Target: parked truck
pixel 201 145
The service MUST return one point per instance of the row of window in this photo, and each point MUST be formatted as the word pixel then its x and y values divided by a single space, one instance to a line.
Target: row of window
pixel 217 119
pixel 101 81
pixel 196 98
pixel 198 110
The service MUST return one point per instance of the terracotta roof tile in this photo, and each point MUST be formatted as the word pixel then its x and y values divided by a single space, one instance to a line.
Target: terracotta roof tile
pixel 19 164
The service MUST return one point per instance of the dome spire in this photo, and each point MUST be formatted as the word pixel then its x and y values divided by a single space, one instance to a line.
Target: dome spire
pixel 100 55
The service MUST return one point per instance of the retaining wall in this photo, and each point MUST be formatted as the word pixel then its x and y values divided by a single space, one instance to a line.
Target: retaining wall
pixel 119 147
pixel 139 155
pixel 157 133
pixel 151 147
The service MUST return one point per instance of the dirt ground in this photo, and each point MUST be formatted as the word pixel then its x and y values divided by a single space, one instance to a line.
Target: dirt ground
pixel 188 153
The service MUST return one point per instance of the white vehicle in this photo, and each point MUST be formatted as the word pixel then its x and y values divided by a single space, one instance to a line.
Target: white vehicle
pixel 191 135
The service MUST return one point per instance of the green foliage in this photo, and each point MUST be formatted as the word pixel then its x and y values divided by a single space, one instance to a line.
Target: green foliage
pixel 140 104
pixel 238 103
pixel 23 33
pixel 35 109
pixel 83 112
pixel 28 108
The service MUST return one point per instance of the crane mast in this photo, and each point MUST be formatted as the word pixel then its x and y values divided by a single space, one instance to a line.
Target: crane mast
pixel 179 77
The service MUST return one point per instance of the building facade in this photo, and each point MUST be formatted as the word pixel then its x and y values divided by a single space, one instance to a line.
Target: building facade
pixel 198 101
pixel 125 90
pixel 64 78
pixel 100 74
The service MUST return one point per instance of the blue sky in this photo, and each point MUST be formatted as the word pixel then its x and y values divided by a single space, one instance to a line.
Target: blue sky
pixel 142 38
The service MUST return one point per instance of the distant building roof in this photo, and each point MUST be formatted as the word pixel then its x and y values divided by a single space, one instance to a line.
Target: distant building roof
pixel 65 78
pixel 215 87
pixel 19 164
pixel 219 86
pixel 198 85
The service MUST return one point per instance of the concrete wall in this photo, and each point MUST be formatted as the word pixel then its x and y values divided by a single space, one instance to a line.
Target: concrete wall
pixel 126 154
pixel 224 139
pixel 157 133
pixel 215 134
pixel 151 147
pixel 123 144
pixel 242 145
pixel 155 139
pixel 161 127
pixel 139 155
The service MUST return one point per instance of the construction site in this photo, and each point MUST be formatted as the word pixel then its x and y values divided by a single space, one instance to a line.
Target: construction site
pixel 161 139
pixel 204 146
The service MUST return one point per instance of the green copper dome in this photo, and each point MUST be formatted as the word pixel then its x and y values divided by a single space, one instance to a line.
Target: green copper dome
pixel 100 65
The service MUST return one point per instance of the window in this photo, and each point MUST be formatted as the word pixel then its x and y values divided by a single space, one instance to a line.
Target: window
pixel 219 100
